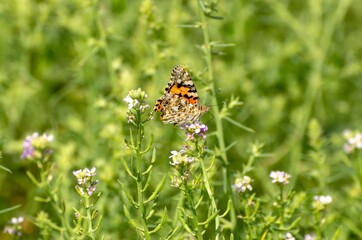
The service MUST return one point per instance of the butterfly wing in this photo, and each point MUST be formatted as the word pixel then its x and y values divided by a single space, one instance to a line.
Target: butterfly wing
pixel 180 102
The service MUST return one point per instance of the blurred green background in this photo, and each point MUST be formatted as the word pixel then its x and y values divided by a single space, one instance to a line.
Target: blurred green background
pixel 65 67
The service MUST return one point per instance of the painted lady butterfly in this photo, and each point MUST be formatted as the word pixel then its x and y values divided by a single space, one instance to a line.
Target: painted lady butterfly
pixel 180 102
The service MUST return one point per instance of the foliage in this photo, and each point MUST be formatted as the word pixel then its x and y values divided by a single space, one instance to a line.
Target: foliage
pixel 282 80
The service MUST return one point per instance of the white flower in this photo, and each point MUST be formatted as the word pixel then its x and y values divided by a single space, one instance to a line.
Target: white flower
pixel 131 102
pixel 175 181
pixel 90 173
pixel 14 227
pixel 190 159
pixel 173 154
pixel 353 140
pixel 49 137
pixel 288 236
pixel 358 140
pixel 178 157
pixel 280 177
pixel 310 236
pixel 35 135
pixel 241 185
pixel 18 220
pixel 77 172
pixel 324 200
pixel 143 107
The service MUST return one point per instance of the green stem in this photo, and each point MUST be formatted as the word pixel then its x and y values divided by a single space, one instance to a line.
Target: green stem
pixel 282 207
pixel 211 196
pixel 216 110
pixel 317 224
pixel 195 220
pixel 89 218
pixel 67 230
pixel 140 196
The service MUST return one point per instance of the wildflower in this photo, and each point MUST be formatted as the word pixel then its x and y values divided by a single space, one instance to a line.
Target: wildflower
pixel 34 145
pixel 353 141
pixel 193 129
pixel 79 190
pixel 137 106
pixel 180 158
pixel 78 173
pixel 185 177
pixel 288 236
pixel 85 182
pixel 90 173
pixel 310 236
pixel 14 227
pixel 131 118
pixel 241 185
pixel 132 103
pixel 322 200
pixel 143 107
pixel 250 202
pixel 92 187
pixel 280 177
pixel 135 100
pixel 175 181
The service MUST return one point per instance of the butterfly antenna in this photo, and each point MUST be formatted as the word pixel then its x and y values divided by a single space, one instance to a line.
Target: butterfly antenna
pixel 210 105
pixel 212 117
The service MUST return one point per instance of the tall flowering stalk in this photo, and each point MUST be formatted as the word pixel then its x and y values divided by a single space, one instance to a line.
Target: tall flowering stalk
pixel 38 149
pixel 208 12
pixel 281 179
pixel 187 162
pixel 243 188
pixel 85 216
pixel 319 205
pixel 141 173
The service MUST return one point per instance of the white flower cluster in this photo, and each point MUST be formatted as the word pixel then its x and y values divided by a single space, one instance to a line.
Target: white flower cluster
pixel 180 158
pixel 34 144
pixel 323 200
pixel 288 236
pixel 280 177
pixel 14 227
pixel 135 100
pixel 242 184
pixel 84 177
pixel 353 141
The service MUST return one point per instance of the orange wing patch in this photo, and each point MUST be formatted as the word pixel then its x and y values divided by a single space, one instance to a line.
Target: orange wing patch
pixel 180 101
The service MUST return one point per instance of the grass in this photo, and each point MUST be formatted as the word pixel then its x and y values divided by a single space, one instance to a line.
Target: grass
pixel 283 82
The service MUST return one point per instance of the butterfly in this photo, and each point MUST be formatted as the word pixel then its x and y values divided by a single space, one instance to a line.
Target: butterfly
pixel 180 103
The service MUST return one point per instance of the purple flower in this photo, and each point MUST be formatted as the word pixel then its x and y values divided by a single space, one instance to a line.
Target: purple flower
pixel 92 187
pixel 28 147
pixel 196 128
pixel 34 145
pixel 85 182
